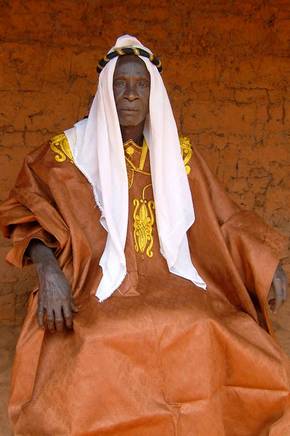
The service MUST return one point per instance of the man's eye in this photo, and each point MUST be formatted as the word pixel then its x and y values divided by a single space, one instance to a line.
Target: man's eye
pixel 143 83
pixel 119 83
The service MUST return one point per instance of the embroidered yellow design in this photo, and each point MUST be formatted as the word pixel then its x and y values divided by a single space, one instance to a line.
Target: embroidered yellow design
pixel 60 146
pixel 143 213
pixel 186 149
pixel 130 151
pixel 131 168
pixel 130 173
pixel 143 216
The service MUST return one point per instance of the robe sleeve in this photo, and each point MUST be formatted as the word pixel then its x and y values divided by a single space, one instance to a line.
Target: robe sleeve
pixel 21 226
pixel 256 249
pixel 236 245
pixel 30 213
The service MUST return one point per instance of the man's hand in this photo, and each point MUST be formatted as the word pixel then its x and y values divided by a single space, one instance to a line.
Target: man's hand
pixel 55 304
pixel 278 292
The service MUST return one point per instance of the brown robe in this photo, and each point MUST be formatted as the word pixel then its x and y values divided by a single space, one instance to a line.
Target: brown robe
pixel 161 357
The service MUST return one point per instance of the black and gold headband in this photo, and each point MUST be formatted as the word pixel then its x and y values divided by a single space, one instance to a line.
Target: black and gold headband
pixel 129 51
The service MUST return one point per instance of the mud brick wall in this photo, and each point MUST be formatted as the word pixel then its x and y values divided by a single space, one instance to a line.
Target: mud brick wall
pixel 226 67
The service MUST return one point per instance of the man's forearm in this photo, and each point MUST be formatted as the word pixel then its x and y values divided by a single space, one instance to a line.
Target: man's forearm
pixel 40 254
pixel 55 304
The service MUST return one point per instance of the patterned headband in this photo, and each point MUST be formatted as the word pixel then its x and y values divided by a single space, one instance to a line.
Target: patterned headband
pixel 129 51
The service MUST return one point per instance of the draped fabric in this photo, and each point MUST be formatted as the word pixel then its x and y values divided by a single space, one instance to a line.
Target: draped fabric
pixel 159 357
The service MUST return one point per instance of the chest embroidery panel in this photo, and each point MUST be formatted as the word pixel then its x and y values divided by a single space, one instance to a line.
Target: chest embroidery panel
pixel 143 221
pixel 143 209
pixel 60 146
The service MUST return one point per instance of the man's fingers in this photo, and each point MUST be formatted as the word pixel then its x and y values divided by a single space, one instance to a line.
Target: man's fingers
pixel 278 301
pixel 285 292
pixel 40 314
pixel 59 324
pixel 67 316
pixel 74 307
pixel 50 321
pixel 279 293
pixel 285 287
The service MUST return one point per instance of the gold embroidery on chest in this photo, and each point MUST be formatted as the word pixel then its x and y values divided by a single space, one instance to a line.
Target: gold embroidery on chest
pixel 129 148
pixel 143 212
pixel 186 150
pixel 143 217
pixel 130 173
pixel 60 146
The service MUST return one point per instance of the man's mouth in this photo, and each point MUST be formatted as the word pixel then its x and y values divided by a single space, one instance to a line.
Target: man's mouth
pixel 125 109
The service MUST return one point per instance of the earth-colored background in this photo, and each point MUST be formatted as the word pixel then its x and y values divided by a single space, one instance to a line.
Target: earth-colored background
pixel 227 70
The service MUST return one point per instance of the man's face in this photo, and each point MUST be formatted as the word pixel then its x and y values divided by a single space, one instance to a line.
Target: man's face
pixel 131 86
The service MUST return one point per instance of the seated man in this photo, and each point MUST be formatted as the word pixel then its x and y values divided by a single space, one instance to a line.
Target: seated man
pixel 150 275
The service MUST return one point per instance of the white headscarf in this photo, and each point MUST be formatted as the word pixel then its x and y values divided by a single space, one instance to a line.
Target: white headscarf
pixel 97 148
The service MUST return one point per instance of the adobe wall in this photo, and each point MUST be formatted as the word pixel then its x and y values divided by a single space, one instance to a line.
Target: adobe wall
pixel 226 66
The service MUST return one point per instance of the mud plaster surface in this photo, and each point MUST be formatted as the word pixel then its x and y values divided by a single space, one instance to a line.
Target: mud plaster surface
pixel 226 68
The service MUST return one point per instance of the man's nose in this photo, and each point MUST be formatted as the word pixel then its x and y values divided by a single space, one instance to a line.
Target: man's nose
pixel 131 91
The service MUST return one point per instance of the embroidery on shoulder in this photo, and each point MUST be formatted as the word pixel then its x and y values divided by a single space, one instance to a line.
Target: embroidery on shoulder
pixel 60 146
pixel 186 149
